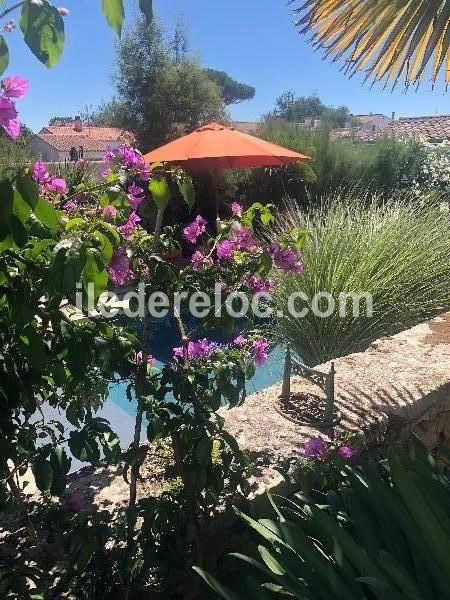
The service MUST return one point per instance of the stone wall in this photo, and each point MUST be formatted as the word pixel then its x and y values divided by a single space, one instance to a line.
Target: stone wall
pixel 400 383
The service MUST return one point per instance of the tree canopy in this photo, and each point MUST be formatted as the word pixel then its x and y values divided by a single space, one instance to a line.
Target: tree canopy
pixel 231 90
pixel 15 152
pixel 162 91
pixel 297 109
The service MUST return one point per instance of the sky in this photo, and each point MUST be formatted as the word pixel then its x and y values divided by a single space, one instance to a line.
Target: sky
pixel 255 41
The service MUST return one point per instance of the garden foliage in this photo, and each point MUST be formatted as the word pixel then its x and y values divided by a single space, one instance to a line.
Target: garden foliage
pixel 63 243
pixel 384 533
pixel 396 250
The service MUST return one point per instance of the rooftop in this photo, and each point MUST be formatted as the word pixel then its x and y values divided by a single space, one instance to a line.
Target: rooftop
pixel 65 142
pixel 368 118
pixel 104 134
pixel 432 129
pixel 250 127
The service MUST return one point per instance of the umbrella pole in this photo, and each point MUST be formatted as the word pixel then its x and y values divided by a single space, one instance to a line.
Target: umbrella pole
pixel 215 184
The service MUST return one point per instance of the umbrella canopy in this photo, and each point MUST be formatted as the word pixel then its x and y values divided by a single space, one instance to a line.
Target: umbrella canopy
pixel 216 147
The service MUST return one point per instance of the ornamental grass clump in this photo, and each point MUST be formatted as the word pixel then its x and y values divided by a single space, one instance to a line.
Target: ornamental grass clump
pixel 398 251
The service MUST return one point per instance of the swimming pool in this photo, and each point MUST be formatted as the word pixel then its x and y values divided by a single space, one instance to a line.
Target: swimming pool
pixel 164 336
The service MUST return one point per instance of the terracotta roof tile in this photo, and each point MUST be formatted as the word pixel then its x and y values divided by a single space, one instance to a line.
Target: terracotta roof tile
pixel 430 129
pixel 105 134
pixel 64 143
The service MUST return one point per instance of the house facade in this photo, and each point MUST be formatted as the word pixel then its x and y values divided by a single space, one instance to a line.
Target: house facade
pixel 372 123
pixel 74 140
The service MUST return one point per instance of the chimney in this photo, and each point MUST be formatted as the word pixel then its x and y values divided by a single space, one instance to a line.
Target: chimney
pixel 78 125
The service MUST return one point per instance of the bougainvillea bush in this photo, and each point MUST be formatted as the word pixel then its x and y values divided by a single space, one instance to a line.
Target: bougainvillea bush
pixel 49 256
pixel 63 246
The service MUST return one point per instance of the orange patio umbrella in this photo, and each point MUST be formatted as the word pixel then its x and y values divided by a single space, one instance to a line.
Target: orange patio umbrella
pixel 216 147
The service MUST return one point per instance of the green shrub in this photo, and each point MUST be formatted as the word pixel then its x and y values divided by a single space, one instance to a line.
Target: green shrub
pixel 397 251
pixel 385 535
pixel 385 166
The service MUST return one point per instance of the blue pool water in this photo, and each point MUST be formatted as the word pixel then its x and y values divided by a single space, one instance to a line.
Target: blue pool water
pixel 164 336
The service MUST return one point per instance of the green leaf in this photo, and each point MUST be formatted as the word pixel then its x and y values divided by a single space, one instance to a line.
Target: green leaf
pixel 155 429
pixel 110 231
pixel 4 55
pixel 93 273
pixel 146 7
pixel 220 589
pixel 43 474
pixel 75 260
pixel 74 223
pixel 43 31
pixel 106 248
pixel 114 13
pixel 19 233
pixel 33 348
pixel 84 446
pixel 110 444
pixel 47 215
pixel 6 207
pixel 116 198
pixel 187 190
pixel 21 209
pixel 75 413
pixel 60 464
pixel 28 189
pixel 160 192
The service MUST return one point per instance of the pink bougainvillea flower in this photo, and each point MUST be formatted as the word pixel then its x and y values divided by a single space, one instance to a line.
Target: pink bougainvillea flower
pixel 199 261
pixel 109 154
pixel 104 172
pixel 260 352
pixel 63 11
pixel 200 349
pixel 243 239
pixel 130 156
pixel 15 86
pixel 58 185
pixel 178 352
pixel 240 341
pixel 127 229
pixel 225 250
pixel 110 212
pixel 287 259
pixel 236 209
pixel 257 284
pixel 138 358
pixel 347 452
pixel 135 196
pixel 39 172
pixel 315 447
pixel 119 268
pixel 145 172
pixel 195 229
pixel 70 206
pixel 8 118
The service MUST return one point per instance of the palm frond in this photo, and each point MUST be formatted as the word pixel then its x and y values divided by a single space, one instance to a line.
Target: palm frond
pixel 389 40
